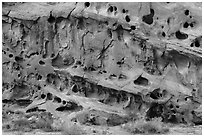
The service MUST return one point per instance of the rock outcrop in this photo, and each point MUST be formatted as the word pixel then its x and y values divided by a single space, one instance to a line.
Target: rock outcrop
pixel 97 63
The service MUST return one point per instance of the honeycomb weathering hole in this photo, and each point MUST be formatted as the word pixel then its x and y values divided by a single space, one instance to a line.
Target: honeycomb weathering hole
pixel 181 35
pixel 155 94
pixel 141 81
pixel 148 19
pixel 51 19
pixel 134 67
pixel 87 4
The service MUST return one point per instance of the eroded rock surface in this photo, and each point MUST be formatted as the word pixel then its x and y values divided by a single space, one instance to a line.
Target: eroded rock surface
pixel 97 63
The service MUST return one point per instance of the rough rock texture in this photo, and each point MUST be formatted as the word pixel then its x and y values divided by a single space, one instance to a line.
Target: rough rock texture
pixel 99 63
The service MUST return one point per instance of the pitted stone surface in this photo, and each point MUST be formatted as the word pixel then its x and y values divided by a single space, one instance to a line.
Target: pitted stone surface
pixel 96 63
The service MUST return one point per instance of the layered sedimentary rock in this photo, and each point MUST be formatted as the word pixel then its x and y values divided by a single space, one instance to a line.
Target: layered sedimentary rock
pixel 100 62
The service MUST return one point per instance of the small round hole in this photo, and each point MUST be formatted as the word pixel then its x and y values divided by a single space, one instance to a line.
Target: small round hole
pixel 197 44
pixel 121 76
pixel 21 25
pixel 110 9
pixel 168 20
pixel 49 96
pixel 123 11
pixel 114 24
pixel 133 27
pixel 57 99
pixel 115 8
pixel 171 106
pixel 183 120
pixel 8 126
pixel 51 19
pixel 17 58
pixel 63 102
pixel 185 25
pixel 112 76
pixel 75 89
pixel 180 35
pixel 163 34
pixel 104 71
pixel 52 55
pixel 127 18
pixel 10 55
pixel 173 111
pixel 39 77
pixel 39 88
pixel 152 11
pixel 186 12
pixel 41 62
pixel 87 4
pixel 43 96
pixel 191 25
pixel 78 63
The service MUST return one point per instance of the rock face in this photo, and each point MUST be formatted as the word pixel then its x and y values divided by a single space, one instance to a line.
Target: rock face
pixel 97 63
